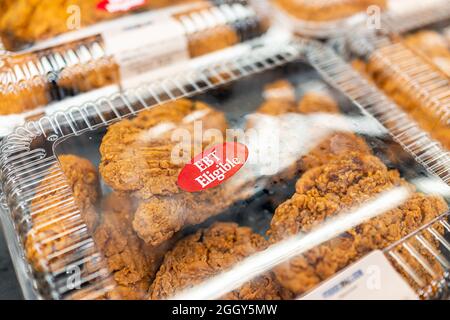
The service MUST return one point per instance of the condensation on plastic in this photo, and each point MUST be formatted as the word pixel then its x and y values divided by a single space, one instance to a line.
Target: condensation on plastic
pixel 29 166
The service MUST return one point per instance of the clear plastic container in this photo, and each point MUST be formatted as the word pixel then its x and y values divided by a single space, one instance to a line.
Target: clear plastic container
pixel 327 19
pixel 30 82
pixel 293 190
pixel 412 68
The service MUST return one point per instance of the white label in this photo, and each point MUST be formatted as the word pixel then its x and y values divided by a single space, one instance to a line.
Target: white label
pixel 147 47
pixel 371 278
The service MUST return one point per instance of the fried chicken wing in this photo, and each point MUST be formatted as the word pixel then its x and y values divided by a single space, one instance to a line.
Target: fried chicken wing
pixel 53 228
pixel 208 252
pixel 323 192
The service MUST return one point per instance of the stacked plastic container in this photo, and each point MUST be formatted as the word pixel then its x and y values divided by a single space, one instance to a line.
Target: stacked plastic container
pixel 273 171
pixel 111 55
pixel 409 62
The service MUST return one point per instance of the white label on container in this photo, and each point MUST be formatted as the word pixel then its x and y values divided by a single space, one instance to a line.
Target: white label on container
pixel 371 278
pixel 147 47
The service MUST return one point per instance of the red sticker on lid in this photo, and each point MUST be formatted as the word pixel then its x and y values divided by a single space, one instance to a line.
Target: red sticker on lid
pixel 213 166
pixel 113 6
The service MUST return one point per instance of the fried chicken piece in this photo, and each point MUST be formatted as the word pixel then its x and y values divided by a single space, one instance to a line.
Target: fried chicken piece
pixel 137 158
pixel 16 101
pixel 279 98
pixel 137 154
pixel 54 228
pixel 322 193
pixel 210 40
pixel 279 90
pixel 132 262
pixel 102 71
pixel 326 10
pixel 84 76
pixel 19 94
pixel 433 46
pixel 208 252
pixel 159 218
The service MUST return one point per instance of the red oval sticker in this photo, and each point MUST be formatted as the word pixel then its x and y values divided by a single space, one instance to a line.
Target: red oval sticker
pixel 213 166
pixel 112 6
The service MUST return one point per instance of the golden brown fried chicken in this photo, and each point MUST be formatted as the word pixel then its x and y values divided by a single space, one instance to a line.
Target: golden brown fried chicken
pixel 85 76
pixel 322 193
pixel 18 93
pixel 338 143
pixel 137 158
pixel 207 253
pixel 317 102
pixel 132 262
pixel 53 226
pixel 319 10
pixel 105 71
pixel 160 217
pixel 279 90
pixel 429 283
pixel 137 153
pixel 279 98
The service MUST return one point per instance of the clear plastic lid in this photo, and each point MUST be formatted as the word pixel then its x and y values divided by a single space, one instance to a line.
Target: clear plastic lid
pixel 31 82
pixel 404 16
pixel 256 178
pixel 327 19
